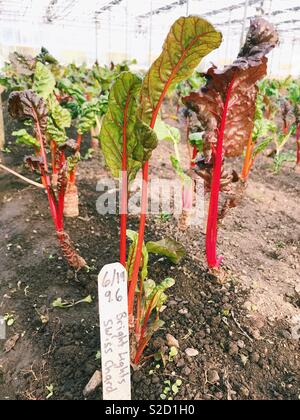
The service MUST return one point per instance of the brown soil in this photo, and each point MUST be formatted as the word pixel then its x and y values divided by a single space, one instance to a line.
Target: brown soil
pixel 244 330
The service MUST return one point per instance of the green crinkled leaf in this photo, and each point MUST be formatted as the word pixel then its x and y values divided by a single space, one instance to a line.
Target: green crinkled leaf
pixel 73 108
pixel 147 142
pixel 54 132
pixel 60 115
pixel 188 42
pixel 149 287
pixel 119 121
pixel 166 132
pixel 133 236
pixel 44 81
pixel 59 119
pixel 90 112
pixel 25 138
pixel 167 247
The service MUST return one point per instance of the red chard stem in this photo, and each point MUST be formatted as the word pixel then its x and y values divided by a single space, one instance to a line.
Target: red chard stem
pixel 212 224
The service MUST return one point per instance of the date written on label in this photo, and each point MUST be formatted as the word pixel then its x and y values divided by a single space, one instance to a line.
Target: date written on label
pixel 114 332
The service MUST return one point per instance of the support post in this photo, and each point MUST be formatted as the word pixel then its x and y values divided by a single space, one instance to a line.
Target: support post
pixel 97 23
pixel 187 7
pixel 244 22
pixel 292 56
pixel 126 30
pixel 228 36
pixel 150 33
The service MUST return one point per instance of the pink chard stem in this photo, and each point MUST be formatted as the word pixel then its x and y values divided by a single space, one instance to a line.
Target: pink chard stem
pixel 212 224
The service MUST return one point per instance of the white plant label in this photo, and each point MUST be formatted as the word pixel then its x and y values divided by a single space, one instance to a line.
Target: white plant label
pixel 114 331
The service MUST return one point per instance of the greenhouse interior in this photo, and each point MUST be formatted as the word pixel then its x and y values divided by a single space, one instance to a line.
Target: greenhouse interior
pixel 150 196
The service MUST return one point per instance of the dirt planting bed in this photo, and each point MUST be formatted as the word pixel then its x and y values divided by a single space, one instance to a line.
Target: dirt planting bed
pixel 243 333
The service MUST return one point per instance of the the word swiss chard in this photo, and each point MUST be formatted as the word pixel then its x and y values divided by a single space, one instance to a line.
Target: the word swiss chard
pixel 226 108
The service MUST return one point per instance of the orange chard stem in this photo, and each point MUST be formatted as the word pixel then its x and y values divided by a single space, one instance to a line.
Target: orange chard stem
pixel 212 223
pixel 248 162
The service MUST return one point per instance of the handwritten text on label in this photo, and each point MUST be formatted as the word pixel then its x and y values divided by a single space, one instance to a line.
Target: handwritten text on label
pixel 115 352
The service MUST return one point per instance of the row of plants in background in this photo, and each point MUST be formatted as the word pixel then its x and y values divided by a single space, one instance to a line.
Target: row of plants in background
pixel 80 91
pixel 51 99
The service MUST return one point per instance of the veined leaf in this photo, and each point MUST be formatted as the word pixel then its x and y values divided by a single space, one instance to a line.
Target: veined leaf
pixel 189 40
pixel 60 115
pixel 146 142
pixel 28 105
pixel 87 119
pixel 149 287
pixel 44 81
pixel 236 85
pixel 25 138
pixel 54 132
pixel 59 119
pixel 119 125
pixel 167 247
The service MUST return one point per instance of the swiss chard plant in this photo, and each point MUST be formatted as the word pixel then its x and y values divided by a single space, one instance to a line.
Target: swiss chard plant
pixel 128 137
pixel 150 297
pixel 39 116
pixel 226 108
pixel 189 40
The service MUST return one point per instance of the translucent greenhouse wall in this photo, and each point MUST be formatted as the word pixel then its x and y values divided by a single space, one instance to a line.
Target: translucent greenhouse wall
pixel 82 31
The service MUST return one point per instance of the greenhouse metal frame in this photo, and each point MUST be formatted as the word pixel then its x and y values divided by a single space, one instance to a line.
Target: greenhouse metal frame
pixel 112 30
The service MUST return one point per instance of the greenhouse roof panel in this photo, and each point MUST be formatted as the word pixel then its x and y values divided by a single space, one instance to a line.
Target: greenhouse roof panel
pixel 81 11
pixel 133 28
